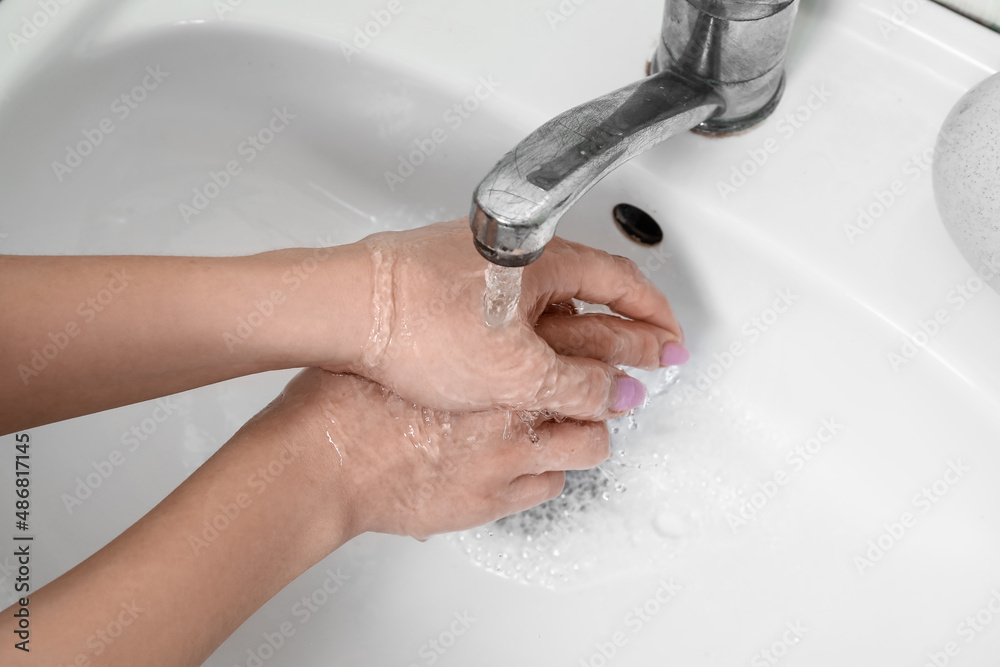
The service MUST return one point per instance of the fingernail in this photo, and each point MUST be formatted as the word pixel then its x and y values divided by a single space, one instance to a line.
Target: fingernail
pixel 674 354
pixel 631 394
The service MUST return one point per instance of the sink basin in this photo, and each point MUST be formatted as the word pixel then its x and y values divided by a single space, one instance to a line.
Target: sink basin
pixel 817 487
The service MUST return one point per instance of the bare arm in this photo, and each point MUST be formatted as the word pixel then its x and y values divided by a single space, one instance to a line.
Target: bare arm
pixel 278 498
pixel 85 334
pixel 169 324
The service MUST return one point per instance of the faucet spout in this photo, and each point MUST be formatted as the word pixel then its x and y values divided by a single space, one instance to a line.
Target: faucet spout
pixel 518 205
pixel 719 69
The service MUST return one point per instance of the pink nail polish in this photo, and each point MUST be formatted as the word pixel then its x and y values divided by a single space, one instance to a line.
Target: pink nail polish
pixel 631 394
pixel 674 354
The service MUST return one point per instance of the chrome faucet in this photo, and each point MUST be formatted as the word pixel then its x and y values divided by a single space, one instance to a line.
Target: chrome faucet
pixel 719 69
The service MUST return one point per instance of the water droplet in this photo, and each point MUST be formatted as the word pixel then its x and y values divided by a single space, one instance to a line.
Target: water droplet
pixel 686 459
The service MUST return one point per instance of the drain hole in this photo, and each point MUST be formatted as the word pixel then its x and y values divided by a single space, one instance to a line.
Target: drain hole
pixel 637 224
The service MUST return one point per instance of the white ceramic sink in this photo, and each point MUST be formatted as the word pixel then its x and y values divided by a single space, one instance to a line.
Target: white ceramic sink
pixel 817 307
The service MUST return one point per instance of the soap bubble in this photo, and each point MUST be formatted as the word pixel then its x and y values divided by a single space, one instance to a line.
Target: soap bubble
pixel 678 468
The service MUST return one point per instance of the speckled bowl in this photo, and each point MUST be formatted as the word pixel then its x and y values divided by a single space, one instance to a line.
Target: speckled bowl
pixel 967 177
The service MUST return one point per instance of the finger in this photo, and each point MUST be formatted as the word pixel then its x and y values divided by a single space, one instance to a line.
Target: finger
pixel 611 339
pixel 527 491
pixel 583 388
pixel 568 446
pixel 571 270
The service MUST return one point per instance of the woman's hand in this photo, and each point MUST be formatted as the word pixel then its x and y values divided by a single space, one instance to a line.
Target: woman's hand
pixel 332 457
pixel 389 466
pixel 429 340
pixel 404 309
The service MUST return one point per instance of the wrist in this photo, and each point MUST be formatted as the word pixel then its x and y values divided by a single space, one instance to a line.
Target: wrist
pixel 295 487
pixel 314 304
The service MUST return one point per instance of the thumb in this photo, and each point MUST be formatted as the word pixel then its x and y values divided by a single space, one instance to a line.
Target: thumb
pixel 589 390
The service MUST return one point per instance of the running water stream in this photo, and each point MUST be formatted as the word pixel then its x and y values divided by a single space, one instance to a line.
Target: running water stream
pixel 679 469
pixel 502 296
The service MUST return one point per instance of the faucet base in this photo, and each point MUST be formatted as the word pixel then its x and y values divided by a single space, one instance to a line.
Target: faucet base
pixel 737 47
pixel 715 127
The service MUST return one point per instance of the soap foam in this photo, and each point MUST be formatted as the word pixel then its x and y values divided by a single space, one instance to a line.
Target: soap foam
pixel 680 466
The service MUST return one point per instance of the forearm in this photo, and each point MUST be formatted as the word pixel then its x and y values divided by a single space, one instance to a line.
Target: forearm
pixel 84 334
pixel 186 575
